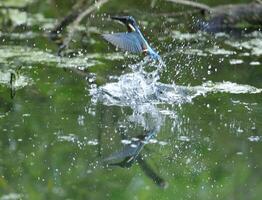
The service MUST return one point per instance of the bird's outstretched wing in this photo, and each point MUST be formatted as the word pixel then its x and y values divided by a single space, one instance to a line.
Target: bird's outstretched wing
pixel 125 41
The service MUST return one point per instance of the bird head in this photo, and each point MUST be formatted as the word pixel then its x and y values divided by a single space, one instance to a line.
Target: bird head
pixel 129 21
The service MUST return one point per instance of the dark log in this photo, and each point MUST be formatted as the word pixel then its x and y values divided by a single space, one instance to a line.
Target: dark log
pixel 227 15
pixel 233 14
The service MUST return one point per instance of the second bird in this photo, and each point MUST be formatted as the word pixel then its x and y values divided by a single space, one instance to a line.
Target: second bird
pixel 131 41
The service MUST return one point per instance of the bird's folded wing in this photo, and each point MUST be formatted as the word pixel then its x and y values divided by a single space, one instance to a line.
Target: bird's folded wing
pixel 125 41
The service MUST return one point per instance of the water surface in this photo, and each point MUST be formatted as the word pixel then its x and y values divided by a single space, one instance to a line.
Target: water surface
pixel 102 124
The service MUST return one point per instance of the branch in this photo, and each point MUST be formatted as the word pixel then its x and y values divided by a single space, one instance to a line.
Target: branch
pixel 200 6
pixel 75 18
pixel 89 10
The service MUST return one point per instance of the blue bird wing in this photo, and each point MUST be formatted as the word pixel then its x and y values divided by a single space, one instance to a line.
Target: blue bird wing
pixel 126 41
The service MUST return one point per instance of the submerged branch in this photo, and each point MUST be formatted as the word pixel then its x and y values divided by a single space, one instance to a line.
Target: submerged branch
pixel 12 88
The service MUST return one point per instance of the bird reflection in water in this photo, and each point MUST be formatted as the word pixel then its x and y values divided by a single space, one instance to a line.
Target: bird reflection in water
pixel 131 152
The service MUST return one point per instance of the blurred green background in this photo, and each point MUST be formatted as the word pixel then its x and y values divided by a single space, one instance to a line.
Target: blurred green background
pixel 53 134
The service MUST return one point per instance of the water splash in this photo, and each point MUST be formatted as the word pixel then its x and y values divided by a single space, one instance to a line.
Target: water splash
pixel 142 91
pixel 133 89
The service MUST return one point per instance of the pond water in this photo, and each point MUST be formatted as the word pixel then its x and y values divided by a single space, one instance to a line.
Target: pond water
pixel 102 124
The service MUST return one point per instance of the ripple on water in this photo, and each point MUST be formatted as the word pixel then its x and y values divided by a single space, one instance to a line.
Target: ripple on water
pixel 220 51
pixel 177 35
pixel 254 45
pixel 183 138
pixel 255 63
pixel 29 56
pixel 236 61
pixel 19 17
pixel 19 82
pixel 11 196
pixel 255 138
pixel 93 142
pixel 232 88
pixel 68 138
pixel 197 52
pixel 74 139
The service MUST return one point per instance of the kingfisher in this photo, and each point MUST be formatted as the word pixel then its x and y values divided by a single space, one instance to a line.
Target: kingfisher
pixel 131 41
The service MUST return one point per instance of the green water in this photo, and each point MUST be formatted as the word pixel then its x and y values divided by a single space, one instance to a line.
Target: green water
pixel 63 124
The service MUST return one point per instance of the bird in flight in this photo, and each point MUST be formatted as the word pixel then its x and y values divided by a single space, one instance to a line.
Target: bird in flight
pixel 131 41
